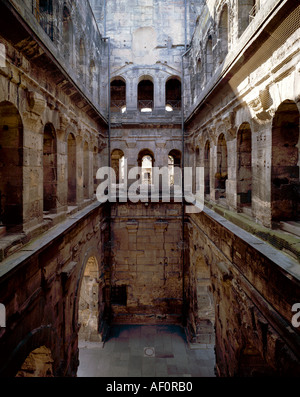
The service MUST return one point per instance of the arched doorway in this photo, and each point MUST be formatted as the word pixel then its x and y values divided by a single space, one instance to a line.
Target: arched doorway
pixel 118 95
pixel 39 363
pixel 174 167
pixel 49 168
pixel 244 14
pixel 173 94
pixel 222 170
pixel 82 61
pixel 44 14
pixel 244 166
pixel 223 33
pixel 117 163
pixel 72 180
pixel 285 188
pixel 145 95
pixel 86 171
pixel 207 168
pixel 11 170
pixel 209 59
pixel 88 310
pixel 146 163
pixel 67 34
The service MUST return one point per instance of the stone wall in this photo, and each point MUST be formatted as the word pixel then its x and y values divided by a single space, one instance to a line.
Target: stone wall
pixel 71 35
pixel 52 134
pixel 235 277
pixel 147 39
pixel 40 287
pixel 145 32
pixel 147 258
pixel 247 97
pixel 42 110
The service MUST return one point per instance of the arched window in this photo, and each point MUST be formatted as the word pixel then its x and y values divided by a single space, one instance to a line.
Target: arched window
pixel 174 165
pixel 146 163
pixel 44 15
pixel 72 176
pixel 67 36
pixel 207 168
pixel 209 59
pixel 245 10
pixel 223 33
pixel 285 185
pixel 199 73
pixel 11 170
pixel 118 95
pixel 145 95
pixel 92 77
pixel 49 168
pixel 222 169
pixel 86 170
pixel 82 61
pixel 173 94
pixel 146 169
pixel 244 166
pixel 117 163
pixel 95 167
pixel 197 163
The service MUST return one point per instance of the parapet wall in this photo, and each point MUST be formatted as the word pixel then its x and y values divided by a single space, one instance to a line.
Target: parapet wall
pixel 251 288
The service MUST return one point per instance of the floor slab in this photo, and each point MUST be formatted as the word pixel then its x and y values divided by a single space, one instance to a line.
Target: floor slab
pixel 124 354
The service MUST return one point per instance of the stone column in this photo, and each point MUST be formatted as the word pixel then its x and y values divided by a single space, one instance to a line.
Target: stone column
pixel 33 161
pixel 159 95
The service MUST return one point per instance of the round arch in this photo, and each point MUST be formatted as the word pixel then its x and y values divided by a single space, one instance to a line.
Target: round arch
pixel 49 168
pixel 72 169
pixel 45 335
pixel 91 261
pixel 118 94
pixel 11 172
pixel 285 185
pixel 244 165
pixel 145 93
pixel 173 93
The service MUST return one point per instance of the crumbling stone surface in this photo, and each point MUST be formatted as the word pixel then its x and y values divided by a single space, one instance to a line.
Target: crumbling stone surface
pixel 146 257
pixel 70 266
pixel 252 319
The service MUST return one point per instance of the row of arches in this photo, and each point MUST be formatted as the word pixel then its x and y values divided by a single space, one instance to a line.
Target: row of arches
pixel 244 174
pixel 216 42
pixel 58 22
pixel 145 94
pixel 145 161
pixel 12 162
pixel 284 187
pixel 88 163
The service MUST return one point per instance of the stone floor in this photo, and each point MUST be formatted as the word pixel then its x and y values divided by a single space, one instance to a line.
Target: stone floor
pixel 145 351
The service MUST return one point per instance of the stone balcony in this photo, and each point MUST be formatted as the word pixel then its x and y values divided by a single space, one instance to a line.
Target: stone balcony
pixel 136 116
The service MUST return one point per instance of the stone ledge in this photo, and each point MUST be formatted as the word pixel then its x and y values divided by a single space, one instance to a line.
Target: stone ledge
pixel 287 243
pixel 26 247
